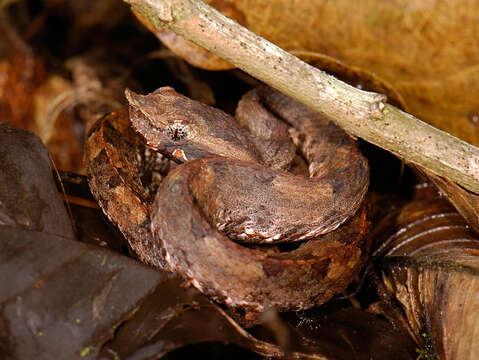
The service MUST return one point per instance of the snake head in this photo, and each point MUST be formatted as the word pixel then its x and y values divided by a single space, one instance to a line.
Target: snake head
pixel 184 129
pixel 158 120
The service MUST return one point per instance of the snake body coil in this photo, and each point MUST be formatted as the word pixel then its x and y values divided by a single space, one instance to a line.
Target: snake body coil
pixel 232 183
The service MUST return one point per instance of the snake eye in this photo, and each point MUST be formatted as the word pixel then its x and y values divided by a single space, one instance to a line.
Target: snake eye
pixel 176 132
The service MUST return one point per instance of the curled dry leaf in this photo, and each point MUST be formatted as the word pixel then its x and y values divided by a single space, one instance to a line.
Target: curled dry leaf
pixel 423 49
pixel 430 261
pixel 178 325
pixel 196 88
pixel 466 202
pixel 192 53
pixel 57 124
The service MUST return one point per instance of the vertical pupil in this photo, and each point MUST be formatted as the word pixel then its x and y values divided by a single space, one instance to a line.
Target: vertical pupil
pixel 175 133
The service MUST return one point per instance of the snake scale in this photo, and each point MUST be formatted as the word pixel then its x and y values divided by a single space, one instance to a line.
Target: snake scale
pixel 251 212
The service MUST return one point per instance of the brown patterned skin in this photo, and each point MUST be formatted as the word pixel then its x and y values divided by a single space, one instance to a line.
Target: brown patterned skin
pixel 212 189
pixel 252 278
pixel 117 161
pixel 250 202
pixel 266 205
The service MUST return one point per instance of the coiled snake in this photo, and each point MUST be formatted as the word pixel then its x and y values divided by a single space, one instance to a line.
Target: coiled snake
pixel 232 184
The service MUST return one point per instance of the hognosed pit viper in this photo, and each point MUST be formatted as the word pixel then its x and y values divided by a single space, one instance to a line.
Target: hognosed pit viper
pixel 245 187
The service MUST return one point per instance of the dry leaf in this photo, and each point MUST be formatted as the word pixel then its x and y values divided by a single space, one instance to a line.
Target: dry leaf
pixel 192 53
pixel 21 72
pixel 430 262
pixel 29 198
pixel 466 202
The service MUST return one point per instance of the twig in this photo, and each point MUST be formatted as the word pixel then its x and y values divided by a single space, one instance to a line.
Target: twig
pixel 360 113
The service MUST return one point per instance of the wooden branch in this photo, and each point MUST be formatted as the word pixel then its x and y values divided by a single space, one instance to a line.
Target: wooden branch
pixel 360 113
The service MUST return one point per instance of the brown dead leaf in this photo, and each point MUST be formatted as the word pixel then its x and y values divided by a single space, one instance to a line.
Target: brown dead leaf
pixel 28 196
pixel 429 260
pixel 21 72
pixel 57 124
pixel 33 100
pixel 466 202
pixel 192 53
